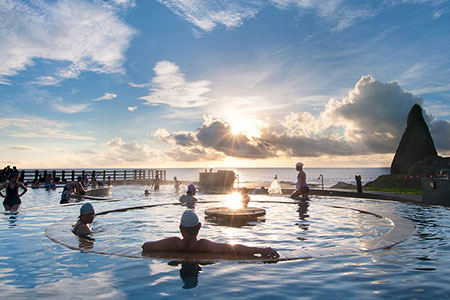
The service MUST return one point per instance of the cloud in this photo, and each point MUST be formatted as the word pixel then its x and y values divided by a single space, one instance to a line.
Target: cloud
pixel 33 127
pixel 70 108
pixel 207 14
pixel 22 148
pixel 47 80
pixel 370 120
pixel 132 108
pixel 196 153
pixel 88 36
pixel 121 151
pixel 106 96
pixel 170 87
pixel 217 135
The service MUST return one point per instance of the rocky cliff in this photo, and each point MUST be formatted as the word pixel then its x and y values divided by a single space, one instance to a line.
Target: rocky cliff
pixel 415 146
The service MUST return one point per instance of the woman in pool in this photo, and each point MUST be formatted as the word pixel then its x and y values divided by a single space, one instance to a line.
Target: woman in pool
pixel 245 198
pixel 189 228
pixel 301 186
pixel 65 195
pixel 83 226
pixel 189 200
pixel 12 198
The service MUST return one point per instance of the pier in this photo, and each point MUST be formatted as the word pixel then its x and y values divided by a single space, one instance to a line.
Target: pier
pixel 107 176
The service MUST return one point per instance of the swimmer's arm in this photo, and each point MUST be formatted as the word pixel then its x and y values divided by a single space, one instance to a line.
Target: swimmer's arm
pixel 1 188
pixel 213 247
pixel 168 244
pixel 24 188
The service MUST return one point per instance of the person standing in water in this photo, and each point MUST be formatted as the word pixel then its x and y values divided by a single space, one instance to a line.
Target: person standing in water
pixel 12 198
pixel 83 226
pixel 189 200
pixel 156 182
pixel 301 186
pixel 176 185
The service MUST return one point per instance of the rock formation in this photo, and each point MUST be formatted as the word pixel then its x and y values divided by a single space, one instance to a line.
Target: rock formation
pixel 415 146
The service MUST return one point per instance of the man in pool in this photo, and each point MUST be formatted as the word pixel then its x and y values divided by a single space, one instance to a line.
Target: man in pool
pixel 189 228
pixel 83 226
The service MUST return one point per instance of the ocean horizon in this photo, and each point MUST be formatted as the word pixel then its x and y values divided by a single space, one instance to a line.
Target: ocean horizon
pixel 331 176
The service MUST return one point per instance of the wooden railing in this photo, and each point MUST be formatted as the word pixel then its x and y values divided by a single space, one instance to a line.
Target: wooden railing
pixel 62 176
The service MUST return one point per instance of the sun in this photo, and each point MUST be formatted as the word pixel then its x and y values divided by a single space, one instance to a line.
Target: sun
pixel 244 126
pixel 234 201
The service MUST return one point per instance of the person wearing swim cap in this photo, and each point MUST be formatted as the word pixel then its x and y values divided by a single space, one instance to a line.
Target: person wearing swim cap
pixel 189 228
pixel 83 226
pixel 189 200
pixel 12 198
pixel 301 187
pixel 65 195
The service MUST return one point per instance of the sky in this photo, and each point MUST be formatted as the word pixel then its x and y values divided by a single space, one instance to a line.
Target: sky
pixel 229 83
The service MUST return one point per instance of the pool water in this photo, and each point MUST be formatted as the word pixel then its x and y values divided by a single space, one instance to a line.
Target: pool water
pixel 31 265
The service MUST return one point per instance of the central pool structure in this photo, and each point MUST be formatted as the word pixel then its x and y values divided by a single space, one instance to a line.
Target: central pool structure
pixel 343 230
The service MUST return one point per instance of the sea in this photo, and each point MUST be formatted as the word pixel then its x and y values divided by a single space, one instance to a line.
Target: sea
pixel 331 176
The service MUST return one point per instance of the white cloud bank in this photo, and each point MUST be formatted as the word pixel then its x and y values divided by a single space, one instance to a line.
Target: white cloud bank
pixel 170 87
pixel 370 120
pixel 89 36
pixel 33 127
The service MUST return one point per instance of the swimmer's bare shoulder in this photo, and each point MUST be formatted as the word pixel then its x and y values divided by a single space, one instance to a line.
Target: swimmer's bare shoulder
pixel 167 244
pixel 83 230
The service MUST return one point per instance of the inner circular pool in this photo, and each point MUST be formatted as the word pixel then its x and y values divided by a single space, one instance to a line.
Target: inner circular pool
pixel 296 229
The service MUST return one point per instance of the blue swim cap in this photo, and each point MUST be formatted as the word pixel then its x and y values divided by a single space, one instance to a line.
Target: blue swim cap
pixel 87 208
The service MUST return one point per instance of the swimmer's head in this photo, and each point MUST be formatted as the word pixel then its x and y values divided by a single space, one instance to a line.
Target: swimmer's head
pixel 189 224
pixel 299 165
pixel 189 219
pixel 191 188
pixel 14 175
pixel 67 187
pixel 79 178
pixel 87 208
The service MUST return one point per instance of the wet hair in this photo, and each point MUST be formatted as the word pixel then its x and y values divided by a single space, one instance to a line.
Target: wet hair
pixel 190 230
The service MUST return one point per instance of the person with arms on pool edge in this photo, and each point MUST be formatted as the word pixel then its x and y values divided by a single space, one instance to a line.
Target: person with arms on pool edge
pixel 83 225
pixel 189 228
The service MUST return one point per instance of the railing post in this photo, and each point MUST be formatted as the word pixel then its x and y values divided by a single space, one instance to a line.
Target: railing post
pixel 45 175
pixel 63 176
pixel 114 176
pixel 73 175
pixel 124 174
pixel 104 175
pixel 36 175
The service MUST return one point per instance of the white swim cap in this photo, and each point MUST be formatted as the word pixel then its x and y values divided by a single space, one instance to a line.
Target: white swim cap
pixel 299 165
pixel 87 208
pixel 189 219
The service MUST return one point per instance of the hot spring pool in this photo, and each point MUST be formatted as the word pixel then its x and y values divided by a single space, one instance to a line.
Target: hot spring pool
pixel 34 266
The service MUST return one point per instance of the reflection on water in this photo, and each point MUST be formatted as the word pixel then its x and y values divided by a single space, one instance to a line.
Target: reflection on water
pixel 188 273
